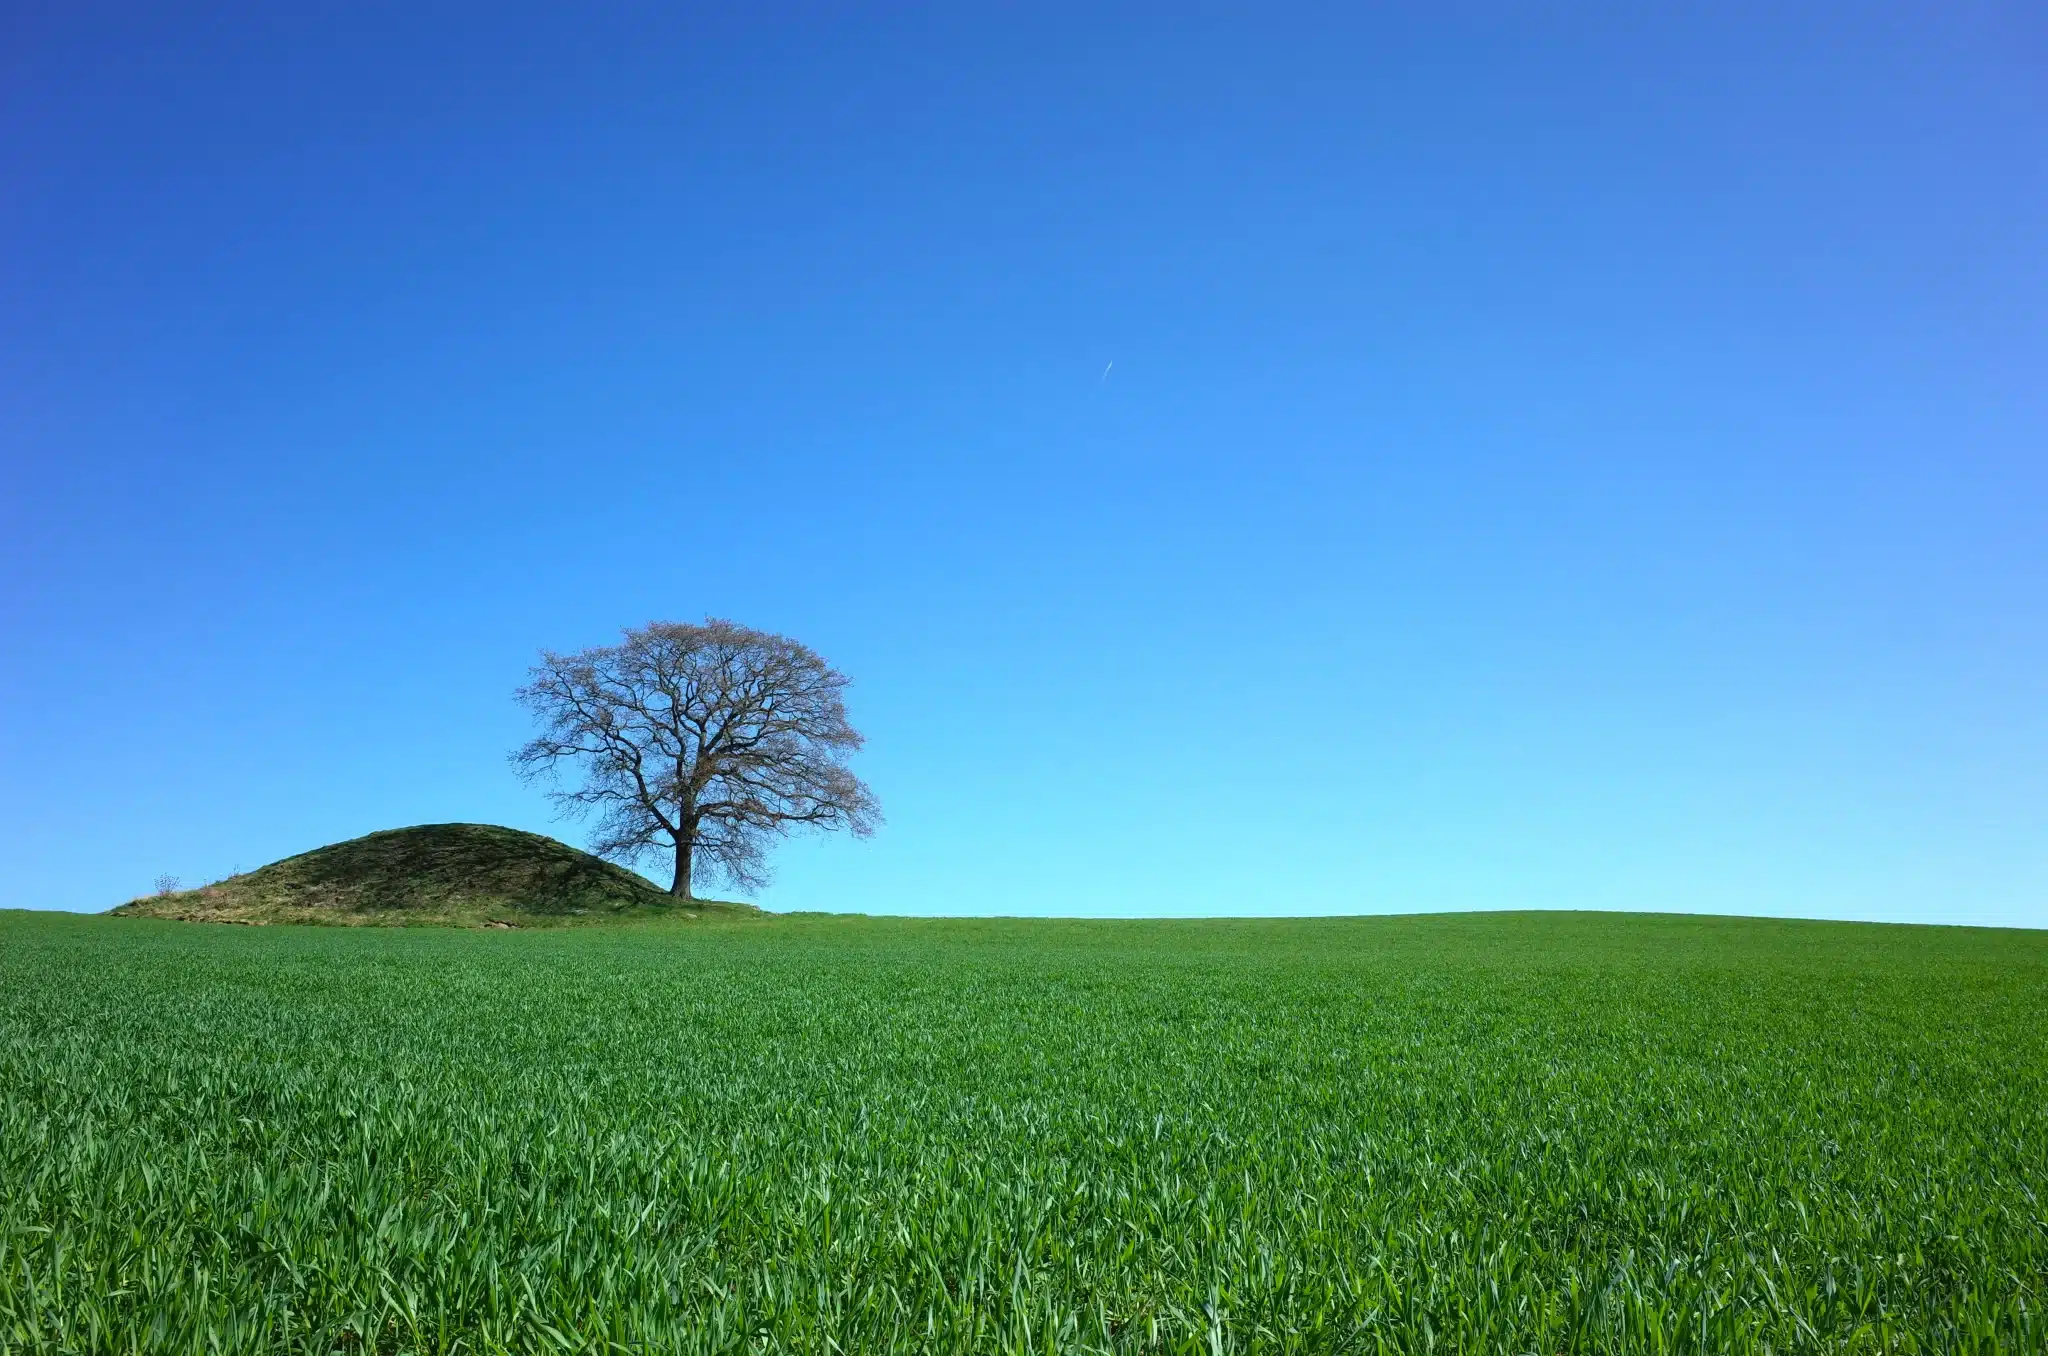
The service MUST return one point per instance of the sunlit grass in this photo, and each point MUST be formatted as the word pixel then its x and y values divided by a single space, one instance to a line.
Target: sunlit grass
pixel 1477 1134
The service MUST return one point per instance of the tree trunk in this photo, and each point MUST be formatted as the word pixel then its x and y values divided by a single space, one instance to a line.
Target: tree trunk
pixel 684 843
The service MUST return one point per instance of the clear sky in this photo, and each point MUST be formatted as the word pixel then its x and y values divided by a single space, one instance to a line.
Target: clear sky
pixel 1252 460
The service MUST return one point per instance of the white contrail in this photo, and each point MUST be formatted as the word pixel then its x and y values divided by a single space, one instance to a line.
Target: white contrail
pixel 1105 371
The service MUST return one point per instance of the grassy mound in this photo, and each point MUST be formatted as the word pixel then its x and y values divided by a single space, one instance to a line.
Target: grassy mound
pixel 474 875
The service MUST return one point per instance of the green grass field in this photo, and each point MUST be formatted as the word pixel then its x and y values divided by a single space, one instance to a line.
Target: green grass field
pixel 1506 1133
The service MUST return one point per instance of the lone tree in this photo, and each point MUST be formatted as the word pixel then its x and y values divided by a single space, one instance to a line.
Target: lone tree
pixel 702 741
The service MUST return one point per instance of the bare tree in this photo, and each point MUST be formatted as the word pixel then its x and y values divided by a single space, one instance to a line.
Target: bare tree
pixel 705 742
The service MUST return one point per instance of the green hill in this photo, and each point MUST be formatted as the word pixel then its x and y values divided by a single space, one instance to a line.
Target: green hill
pixel 459 875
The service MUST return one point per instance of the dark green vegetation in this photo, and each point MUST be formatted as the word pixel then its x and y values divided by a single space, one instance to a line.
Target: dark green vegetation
pixel 1460 1134
pixel 441 874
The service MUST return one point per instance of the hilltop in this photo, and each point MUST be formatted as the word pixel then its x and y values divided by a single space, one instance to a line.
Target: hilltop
pixel 459 875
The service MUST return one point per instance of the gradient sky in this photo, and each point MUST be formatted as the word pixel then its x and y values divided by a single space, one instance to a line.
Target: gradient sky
pixel 1554 456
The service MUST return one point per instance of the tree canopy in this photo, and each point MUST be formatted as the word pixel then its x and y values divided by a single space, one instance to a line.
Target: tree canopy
pixel 703 743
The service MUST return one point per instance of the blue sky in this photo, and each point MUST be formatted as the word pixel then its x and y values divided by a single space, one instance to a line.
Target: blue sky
pixel 1548 457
